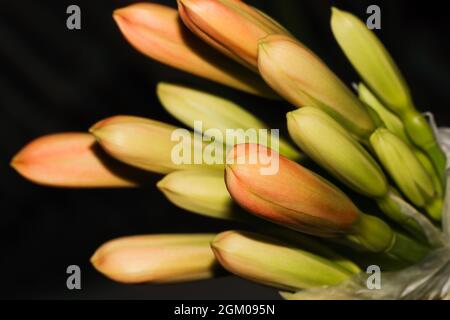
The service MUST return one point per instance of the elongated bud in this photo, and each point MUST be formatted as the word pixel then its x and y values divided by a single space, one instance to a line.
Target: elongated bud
pixel 299 76
pixel 423 136
pixel 293 196
pixel 298 199
pixel 72 160
pixel 430 169
pixel 377 68
pixel 153 145
pixel 330 145
pixel 370 59
pixel 389 119
pixel 406 170
pixel 267 261
pixel 230 26
pixel 217 115
pixel 156 31
pixel 199 191
pixel 158 258
pixel 395 125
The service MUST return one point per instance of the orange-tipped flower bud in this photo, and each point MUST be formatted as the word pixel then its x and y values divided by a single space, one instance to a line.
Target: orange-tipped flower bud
pixel 71 160
pixel 158 258
pixel 156 31
pixel 152 145
pixel 293 196
pixel 230 26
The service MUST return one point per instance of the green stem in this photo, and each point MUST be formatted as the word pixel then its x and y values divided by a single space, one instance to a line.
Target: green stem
pixel 371 233
pixel 438 157
pixel 422 135
pixel 375 235
pixel 407 249
pixel 434 208
pixel 393 211
pixel 429 167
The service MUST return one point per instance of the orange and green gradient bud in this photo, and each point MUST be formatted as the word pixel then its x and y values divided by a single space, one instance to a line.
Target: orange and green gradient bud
pixel 231 26
pixel 157 32
pixel 159 258
pixel 300 77
pixel 149 144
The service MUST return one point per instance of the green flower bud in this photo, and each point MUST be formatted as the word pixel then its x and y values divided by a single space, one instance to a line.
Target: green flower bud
pixel 404 167
pixel 200 191
pixel 332 146
pixel 370 59
pixel 274 263
pixel 377 68
pixel 189 105
pixel 395 125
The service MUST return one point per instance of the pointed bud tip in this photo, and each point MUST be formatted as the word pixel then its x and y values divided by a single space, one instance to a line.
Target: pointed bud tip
pixel 123 16
pixel 218 239
pixel 164 88
pixel 118 14
pixel 161 184
pixel 96 128
pixel 19 163
pixel 15 162
pixel 335 11
pixel 339 14
pixel 95 260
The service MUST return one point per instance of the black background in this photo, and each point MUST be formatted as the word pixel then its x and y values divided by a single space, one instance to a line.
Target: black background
pixel 53 79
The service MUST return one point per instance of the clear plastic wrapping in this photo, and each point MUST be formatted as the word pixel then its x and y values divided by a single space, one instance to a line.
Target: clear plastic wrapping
pixel 429 279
